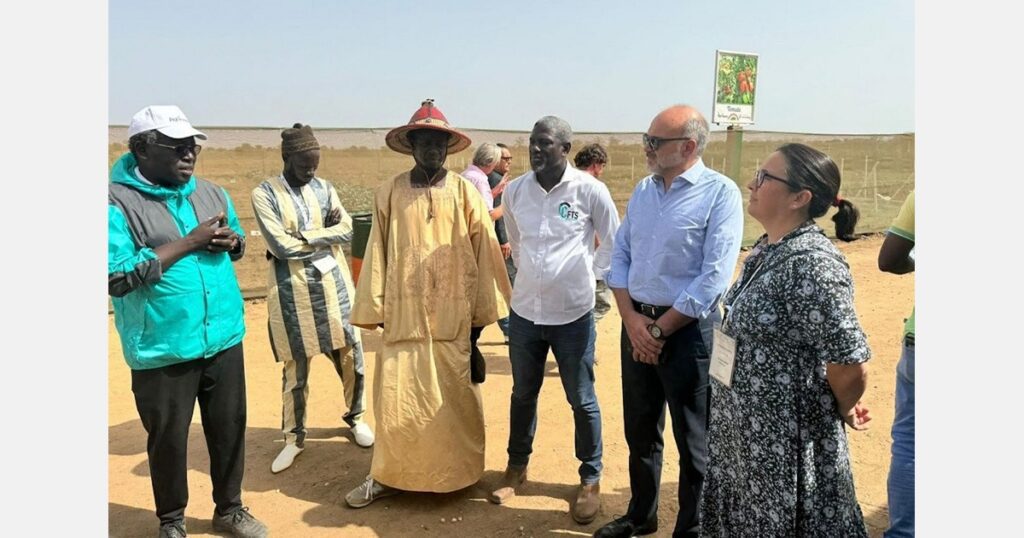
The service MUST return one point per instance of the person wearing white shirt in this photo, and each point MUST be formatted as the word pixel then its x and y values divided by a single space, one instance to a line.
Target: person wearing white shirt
pixel 552 215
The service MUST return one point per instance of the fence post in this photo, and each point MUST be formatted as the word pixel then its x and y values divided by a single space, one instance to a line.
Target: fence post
pixel 734 150
pixel 874 174
pixel 866 190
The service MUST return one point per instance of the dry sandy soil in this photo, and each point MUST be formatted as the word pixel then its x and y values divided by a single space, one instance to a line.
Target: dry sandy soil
pixel 308 499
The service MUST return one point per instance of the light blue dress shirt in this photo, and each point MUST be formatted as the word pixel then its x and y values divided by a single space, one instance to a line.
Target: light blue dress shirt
pixel 679 248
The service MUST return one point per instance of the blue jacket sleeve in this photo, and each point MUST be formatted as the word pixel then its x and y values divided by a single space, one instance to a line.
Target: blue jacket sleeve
pixel 128 266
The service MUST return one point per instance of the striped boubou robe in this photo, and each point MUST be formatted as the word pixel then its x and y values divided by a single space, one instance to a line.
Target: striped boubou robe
pixel 309 294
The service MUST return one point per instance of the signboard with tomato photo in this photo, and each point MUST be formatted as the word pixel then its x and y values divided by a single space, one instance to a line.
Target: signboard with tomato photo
pixel 735 84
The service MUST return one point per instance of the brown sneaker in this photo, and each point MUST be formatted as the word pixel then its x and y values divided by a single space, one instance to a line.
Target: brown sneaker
pixel 588 502
pixel 514 477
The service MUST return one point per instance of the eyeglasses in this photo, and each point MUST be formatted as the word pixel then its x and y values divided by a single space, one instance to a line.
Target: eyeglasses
pixel 760 176
pixel 183 149
pixel 507 159
pixel 654 142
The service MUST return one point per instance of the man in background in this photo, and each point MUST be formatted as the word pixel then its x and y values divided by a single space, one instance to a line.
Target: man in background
pixel 592 159
pixel 498 179
pixel 485 159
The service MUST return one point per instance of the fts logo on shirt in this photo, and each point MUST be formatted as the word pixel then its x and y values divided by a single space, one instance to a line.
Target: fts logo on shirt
pixel 566 213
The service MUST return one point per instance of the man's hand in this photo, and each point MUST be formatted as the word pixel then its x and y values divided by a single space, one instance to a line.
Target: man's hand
pixel 646 348
pixel 506 250
pixel 858 417
pixel 500 187
pixel 202 236
pixel 224 240
pixel 333 217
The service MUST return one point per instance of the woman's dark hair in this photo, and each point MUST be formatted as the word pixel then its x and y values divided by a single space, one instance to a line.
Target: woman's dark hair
pixel 819 174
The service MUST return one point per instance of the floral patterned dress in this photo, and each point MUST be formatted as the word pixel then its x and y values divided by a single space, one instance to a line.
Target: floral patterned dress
pixel 779 462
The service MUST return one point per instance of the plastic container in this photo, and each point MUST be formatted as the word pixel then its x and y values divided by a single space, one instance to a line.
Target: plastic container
pixel 361 223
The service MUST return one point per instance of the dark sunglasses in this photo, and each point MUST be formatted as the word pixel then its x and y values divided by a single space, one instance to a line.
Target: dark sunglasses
pixel 760 176
pixel 182 150
pixel 654 142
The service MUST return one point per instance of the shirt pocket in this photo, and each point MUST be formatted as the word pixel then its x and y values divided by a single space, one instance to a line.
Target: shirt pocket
pixel 683 245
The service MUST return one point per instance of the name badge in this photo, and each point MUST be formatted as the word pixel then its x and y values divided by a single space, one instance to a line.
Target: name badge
pixel 723 357
pixel 325 264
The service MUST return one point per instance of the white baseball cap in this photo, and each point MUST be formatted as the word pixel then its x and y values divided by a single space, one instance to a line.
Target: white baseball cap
pixel 168 119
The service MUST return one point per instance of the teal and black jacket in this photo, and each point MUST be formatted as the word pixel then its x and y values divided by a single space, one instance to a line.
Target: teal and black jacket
pixel 166 315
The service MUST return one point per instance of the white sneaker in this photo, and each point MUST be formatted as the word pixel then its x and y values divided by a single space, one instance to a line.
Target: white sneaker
pixel 285 458
pixel 362 434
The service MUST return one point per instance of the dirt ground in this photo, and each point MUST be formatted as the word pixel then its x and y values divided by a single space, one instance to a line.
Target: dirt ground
pixel 308 499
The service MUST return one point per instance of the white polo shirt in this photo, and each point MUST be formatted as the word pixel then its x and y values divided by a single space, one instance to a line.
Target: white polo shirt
pixel 552 239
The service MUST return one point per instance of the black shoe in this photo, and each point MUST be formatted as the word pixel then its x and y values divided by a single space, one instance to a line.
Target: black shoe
pixel 624 527
pixel 240 524
pixel 172 530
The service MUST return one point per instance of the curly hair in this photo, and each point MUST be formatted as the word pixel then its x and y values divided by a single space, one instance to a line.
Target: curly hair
pixel 590 155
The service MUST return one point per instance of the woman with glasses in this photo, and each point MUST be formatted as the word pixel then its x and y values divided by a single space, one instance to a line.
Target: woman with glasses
pixel 788 366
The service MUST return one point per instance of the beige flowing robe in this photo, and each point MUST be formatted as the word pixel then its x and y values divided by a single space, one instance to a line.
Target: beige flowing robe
pixel 429 280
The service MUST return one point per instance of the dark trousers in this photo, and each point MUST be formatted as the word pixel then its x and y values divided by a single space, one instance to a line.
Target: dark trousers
pixel 680 379
pixel 165 398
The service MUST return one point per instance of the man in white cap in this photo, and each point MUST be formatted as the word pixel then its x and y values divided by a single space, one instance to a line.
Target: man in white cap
pixel 172 238
pixel 432 277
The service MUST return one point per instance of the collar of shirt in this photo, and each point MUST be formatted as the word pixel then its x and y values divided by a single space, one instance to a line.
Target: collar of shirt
pixel 305 217
pixel 570 175
pixel 142 178
pixel 473 169
pixel 691 174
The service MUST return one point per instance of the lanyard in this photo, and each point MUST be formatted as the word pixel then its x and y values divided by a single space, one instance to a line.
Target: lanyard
pixel 728 307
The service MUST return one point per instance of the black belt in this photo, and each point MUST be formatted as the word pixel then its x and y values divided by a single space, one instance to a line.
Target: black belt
pixel 649 310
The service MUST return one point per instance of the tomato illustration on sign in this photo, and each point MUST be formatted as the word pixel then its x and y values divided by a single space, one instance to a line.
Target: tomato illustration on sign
pixel 737 76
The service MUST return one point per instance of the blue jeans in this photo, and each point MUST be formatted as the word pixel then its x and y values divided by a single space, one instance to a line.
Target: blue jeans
pixel 901 469
pixel 511 268
pixel 528 351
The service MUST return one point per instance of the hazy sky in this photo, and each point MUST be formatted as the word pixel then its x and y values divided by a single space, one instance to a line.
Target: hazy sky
pixel 828 67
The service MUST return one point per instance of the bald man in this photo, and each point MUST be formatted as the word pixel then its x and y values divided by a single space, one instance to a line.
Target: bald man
pixel 683 228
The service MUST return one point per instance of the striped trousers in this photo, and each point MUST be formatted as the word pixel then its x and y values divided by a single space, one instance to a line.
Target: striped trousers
pixel 348 362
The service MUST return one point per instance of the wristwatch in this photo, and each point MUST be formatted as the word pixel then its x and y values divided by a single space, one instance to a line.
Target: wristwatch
pixel 655 331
